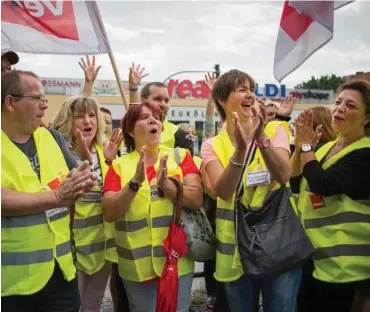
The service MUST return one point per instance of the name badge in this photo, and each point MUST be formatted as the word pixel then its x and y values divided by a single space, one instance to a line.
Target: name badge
pixel 53 212
pixel 92 197
pixel 317 201
pixel 258 178
pixel 155 193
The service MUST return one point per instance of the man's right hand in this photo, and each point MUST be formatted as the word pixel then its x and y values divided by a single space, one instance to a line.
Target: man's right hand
pixel 75 185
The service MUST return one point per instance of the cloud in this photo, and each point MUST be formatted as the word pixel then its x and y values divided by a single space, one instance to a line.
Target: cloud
pixel 168 37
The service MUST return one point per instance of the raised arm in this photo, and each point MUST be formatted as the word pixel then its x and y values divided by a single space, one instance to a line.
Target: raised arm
pixel 134 78
pixel 209 125
pixel 276 159
pixel 116 203
pixel 224 181
pixel 90 74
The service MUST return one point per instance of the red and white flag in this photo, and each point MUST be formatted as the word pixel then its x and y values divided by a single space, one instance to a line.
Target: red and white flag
pixel 305 27
pixel 53 27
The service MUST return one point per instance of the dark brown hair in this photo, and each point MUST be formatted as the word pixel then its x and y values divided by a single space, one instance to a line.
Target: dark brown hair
pixel 362 87
pixel 131 117
pixel 322 116
pixel 105 110
pixel 145 92
pixel 12 83
pixel 227 83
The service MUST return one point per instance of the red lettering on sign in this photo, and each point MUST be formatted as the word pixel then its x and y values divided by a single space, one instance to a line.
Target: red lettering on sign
pixel 172 83
pixel 201 90
pixel 60 83
pixel 49 17
pixel 186 89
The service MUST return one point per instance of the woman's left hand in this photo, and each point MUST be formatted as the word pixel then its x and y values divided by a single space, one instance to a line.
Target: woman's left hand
pixel 259 118
pixel 110 148
pixel 162 173
pixel 304 131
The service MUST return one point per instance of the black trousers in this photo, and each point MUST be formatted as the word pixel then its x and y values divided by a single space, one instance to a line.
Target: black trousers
pixel 318 296
pixel 58 295
pixel 211 283
pixel 123 304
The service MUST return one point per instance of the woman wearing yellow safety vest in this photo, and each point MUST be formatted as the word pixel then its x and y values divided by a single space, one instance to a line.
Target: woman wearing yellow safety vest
pixel 334 201
pixel 223 159
pixel 139 197
pixel 80 122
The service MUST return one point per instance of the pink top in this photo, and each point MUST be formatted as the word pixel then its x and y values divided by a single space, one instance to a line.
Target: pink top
pixel 280 140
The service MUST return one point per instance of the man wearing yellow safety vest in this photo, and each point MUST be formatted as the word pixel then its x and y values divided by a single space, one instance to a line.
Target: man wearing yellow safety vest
pixel 39 183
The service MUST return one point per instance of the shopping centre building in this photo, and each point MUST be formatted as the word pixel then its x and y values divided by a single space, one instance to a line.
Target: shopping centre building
pixel 188 98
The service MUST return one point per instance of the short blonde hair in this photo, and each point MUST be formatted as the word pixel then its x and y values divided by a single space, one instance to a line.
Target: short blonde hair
pixel 63 122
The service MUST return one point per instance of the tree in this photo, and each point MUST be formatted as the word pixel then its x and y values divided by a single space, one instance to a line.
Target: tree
pixel 323 83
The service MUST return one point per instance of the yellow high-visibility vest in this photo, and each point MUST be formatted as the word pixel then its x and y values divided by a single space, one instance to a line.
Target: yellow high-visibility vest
pixel 143 227
pixel 228 265
pixel 340 230
pixel 168 134
pixel 93 237
pixel 30 244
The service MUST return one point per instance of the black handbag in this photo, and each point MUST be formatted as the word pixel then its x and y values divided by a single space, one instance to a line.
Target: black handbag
pixel 270 239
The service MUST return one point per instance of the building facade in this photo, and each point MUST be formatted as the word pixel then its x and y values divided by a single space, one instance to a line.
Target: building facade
pixel 188 99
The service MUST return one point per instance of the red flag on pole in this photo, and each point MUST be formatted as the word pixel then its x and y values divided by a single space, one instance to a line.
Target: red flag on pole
pixel 305 27
pixel 53 27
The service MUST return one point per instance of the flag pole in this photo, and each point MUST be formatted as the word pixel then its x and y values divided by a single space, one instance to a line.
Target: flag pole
pixel 118 78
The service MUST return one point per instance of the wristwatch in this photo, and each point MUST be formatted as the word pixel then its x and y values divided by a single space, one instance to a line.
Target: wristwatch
pixel 265 143
pixel 305 148
pixel 134 186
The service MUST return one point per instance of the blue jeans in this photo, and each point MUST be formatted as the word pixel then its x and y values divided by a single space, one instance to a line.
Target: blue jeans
pixel 279 293
pixel 143 297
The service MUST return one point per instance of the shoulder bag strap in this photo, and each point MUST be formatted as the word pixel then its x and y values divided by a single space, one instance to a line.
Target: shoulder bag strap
pixel 250 156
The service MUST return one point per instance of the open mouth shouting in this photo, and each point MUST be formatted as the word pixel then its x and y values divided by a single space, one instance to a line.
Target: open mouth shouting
pixel 87 131
pixel 337 118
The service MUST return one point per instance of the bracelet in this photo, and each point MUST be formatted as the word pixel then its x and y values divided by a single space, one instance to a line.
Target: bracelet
pixel 235 163
pixel 132 89
pixel 108 162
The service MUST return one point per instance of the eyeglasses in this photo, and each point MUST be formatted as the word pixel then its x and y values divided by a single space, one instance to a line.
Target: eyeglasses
pixel 38 98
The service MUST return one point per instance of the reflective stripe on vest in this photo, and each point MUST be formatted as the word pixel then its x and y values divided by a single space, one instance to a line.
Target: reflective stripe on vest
pixel 131 226
pixel 144 225
pixel 87 250
pixel 340 218
pixel 91 232
pixel 340 230
pixel 31 243
pixel 33 257
pixel 89 221
pixel 228 266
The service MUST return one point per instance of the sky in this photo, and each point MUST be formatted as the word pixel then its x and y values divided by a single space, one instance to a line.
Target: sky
pixel 168 37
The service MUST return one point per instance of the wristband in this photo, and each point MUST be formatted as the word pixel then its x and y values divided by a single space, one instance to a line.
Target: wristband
pixel 132 89
pixel 282 118
pixel 235 163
